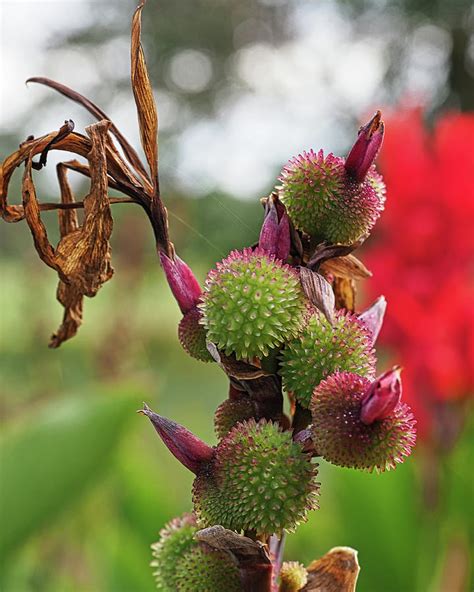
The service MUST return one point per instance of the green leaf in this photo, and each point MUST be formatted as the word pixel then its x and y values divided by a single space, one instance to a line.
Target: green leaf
pixel 51 458
pixel 379 517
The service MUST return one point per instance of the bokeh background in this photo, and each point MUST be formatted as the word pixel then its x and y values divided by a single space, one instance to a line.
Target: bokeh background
pixel 241 86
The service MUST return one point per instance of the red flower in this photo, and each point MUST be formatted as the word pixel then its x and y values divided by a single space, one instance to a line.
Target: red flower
pixel 422 253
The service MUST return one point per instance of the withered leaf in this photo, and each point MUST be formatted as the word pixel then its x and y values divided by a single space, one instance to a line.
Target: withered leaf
pixel 67 294
pixel 84 255
pixel 337 571
pixel 348 267
pixel 234 368
pixel 251 556
pixel 63 132
pixel 72 142
pixel 319 292
pixel 144 100
pixel 243 548
pixel 33 218
pixel 99 114
pixel 345 293
pixel 72 301
pixel 323 252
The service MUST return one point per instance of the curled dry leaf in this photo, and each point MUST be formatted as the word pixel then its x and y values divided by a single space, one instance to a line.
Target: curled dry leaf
pixel 348 267
pixel 319 292
pixel 66 294
pixel 99 114
pixel 82 256
pixel 142 91
pixel 148 125
pixel 324 251
pixel 245 549
pixel 345 293
pixel 251 556
pixel 234 368
pixel 337 571
pixel 71 142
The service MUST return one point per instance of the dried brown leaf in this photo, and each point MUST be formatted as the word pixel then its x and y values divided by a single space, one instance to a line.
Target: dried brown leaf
pixel 144 100
pixel 62 133
pixel 319 292
pixel 73 142
pixel 251 556
pixel 33 218
pixel 235 368
pixel 345 293
pixel 337 571
pixel 243 548
pixel 97 112
pixel 323 252
pixel 84 255
pixel 72 301
pixel 67 294
pixel 348 267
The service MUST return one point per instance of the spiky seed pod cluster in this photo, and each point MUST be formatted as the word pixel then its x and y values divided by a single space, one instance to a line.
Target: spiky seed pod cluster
pixel 192 336
pixel 259 480
pixel 175 539
pixel 252 303
pixel 231 412
pixel 293 576
pixel 203 569
pixel 341 437
pixel 182 564
pixel 321 349
pixel 325 202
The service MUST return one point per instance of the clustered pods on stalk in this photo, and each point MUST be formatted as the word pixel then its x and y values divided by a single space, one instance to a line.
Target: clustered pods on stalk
pixel 279 318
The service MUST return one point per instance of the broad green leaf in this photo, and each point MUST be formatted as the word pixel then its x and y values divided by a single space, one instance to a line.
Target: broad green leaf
pixel 50 458
pixel 379 517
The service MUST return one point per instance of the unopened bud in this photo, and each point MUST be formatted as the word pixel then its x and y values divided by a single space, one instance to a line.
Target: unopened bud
pixel 382 396
pixel 366 147
pixel 181 281
pixel 275 232
pixel 192 452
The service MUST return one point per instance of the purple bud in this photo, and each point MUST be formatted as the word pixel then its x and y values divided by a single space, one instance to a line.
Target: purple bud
pixel 382 396
pixel 373 317
pixel 275 234
pixel 185 446
pixel 182 282
pixel 366 148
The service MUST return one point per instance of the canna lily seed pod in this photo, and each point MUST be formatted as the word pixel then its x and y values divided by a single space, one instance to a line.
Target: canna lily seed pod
pixel 322 349
pixel 332 199
pixel 252 303
pixel 343 436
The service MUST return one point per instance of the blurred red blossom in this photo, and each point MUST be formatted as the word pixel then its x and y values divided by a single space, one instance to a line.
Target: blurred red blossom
pixel 421 254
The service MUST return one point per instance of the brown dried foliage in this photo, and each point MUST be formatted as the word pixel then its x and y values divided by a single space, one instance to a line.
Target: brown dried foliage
pixel 82 257
pixel 337 571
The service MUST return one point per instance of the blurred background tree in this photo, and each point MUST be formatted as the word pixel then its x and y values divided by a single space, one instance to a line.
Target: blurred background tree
pixel 241 86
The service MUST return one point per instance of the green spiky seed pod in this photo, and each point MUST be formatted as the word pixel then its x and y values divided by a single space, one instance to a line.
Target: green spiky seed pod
pixel 293 576
pixel 252 303
pixel 175 539
pixel 231 412
pixel 321 349
pixel 259 480
pixel 327 203
pixel 340 436
pixel 192 336
pixel 205 570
